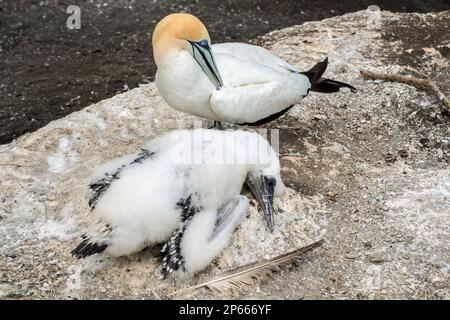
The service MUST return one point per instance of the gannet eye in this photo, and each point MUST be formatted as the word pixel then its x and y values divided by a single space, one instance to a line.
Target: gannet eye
pixel 204 43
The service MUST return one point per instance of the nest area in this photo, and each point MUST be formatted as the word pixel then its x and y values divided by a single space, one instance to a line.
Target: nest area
pixel 368 172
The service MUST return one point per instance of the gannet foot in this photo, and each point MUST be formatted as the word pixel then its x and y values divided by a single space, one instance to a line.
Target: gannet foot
pixel 219 125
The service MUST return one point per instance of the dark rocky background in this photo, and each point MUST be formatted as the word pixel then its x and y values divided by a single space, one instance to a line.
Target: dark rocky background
pixel 48 71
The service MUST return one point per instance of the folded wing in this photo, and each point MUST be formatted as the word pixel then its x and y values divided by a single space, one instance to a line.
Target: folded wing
pixel 256 84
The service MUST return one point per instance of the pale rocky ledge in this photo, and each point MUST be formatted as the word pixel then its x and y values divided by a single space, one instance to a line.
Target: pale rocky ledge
pixel 368 172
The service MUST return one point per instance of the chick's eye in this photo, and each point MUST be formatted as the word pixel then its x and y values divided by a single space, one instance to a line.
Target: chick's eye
pixel 271 182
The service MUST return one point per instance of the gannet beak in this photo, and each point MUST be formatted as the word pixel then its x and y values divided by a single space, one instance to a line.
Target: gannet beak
pixel 263 188
pixel 201 51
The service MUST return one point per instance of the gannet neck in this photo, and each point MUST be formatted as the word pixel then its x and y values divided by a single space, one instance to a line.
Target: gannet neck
pixel 173 33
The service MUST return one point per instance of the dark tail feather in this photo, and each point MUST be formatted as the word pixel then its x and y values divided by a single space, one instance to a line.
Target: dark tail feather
pixel 327 85
pixel 319 84
pixel 88 248
pixel 315 73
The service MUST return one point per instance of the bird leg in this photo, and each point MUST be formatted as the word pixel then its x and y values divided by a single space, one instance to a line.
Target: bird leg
pixel 221 125
pixel 217 125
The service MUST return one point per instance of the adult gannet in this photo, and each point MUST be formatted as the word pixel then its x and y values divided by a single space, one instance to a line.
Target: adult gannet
pixel 232 82
pixel 183 189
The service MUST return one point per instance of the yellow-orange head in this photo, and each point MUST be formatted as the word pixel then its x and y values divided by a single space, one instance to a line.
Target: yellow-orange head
pixel 173 33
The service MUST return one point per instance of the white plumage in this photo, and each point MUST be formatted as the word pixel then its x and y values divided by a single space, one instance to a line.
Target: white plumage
pixel 182 188
pixel 256 84
pixel 231 82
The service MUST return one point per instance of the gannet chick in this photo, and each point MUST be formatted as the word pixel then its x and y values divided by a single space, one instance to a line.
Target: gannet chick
pixel 182 188
pixel 232 82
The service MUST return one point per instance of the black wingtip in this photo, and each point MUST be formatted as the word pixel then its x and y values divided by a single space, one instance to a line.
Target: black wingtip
pixel 87 248
pixel 315 73
pixel 329 86
pixel 319 84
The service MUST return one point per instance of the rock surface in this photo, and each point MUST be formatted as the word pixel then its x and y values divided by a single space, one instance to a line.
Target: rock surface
pixel 369 172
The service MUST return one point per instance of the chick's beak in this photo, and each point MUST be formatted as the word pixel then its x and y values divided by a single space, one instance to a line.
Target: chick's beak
pixel 201 51
pixel 263 188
